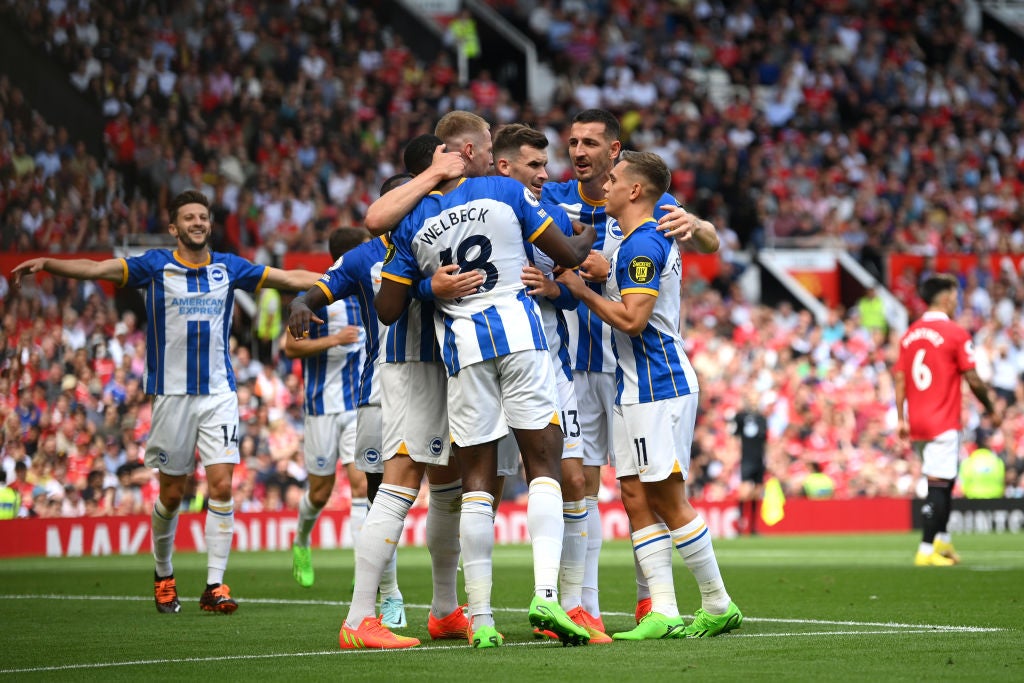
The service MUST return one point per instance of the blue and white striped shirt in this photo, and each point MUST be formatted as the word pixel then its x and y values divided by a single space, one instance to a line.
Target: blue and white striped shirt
pixel 332 376
pixel 652 366
pixel 357 273
pixel 590 339
pixel 481 224
pixel 189 307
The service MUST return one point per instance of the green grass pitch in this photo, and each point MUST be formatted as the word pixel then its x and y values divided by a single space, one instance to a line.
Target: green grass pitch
pixel 817 608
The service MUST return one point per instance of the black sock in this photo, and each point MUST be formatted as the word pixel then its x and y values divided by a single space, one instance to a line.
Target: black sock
pixel 943 522
pixel 373 482
pixel 935 510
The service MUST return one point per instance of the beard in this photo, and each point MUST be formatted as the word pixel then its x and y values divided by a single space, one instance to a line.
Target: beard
pixel 195 245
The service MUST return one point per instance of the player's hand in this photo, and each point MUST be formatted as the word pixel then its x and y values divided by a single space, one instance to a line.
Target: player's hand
pixel 572 281
pixel 595 268
pixel 28 267
pixel 903 431
pixel 996 417
pixel 347 335
pixel 584 231
pixel 678 223
pixel 539 285
pixel 299 319
pixel 448 164
pixel 448 283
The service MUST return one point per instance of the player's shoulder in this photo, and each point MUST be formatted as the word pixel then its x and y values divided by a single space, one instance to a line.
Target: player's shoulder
pixel 367 252
pixel 153 257
pixel 646 239
pixel 558 192
pixel 497 183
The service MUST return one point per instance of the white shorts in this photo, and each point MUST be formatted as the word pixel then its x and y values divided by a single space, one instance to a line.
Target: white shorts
pixel 183 422
pixel 595 396
pixel 415 411
pixel 508 456
pixel 941 455
pixel 329 439
pixel 652 440
pixel 486 398
pixel 569 416
pixel 368 439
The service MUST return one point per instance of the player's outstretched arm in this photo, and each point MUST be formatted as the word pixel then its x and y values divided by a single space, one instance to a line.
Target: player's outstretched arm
pixel 291 280
pixel 629 315
pixel 565 251
pixel 689 229
pixel 112 270
pixel 388 211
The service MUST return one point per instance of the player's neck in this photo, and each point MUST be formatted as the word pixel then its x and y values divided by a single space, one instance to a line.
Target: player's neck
pixel 447 186
pixel 593 189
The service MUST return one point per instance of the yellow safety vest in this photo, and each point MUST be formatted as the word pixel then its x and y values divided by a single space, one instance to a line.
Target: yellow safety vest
pixel 983 475
pixel 10 503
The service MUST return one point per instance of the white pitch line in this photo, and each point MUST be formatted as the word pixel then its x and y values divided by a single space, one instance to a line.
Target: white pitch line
pixel 520 610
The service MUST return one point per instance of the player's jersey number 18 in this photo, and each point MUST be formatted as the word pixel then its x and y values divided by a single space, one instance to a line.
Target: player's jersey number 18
pixel 473 253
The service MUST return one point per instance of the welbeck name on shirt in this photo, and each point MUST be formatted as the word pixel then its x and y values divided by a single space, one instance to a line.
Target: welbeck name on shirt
pixel 433 231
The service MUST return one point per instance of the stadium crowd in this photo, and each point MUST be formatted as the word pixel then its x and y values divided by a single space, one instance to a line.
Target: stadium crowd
pixel 878 127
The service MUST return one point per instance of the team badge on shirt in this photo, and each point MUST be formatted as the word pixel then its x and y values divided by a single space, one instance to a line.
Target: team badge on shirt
pixel 641 270
pixel 613 229
pixel 531 198
pixel 389 254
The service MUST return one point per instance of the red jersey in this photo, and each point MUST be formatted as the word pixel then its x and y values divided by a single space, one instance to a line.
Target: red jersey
pixel 934 353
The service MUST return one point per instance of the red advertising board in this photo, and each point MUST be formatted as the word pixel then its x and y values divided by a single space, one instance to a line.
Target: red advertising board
pixel 93 536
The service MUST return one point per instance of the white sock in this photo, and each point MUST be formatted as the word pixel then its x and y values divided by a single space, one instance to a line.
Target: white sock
pixel 544 519
pixel 164 524
pixel 308 514
pixel 574 553
pixel 357 517
pixel 443 517
pixel 642 589
pixel 652 547
pixel 220 530
pixel 594 534
pixel 476 532
pixel 925 548
pixel 943 537
pixel 377 545
pixel 693 542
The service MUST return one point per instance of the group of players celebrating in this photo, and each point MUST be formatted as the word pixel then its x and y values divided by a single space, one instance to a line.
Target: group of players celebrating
pixel 502 302
pixel 482 304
